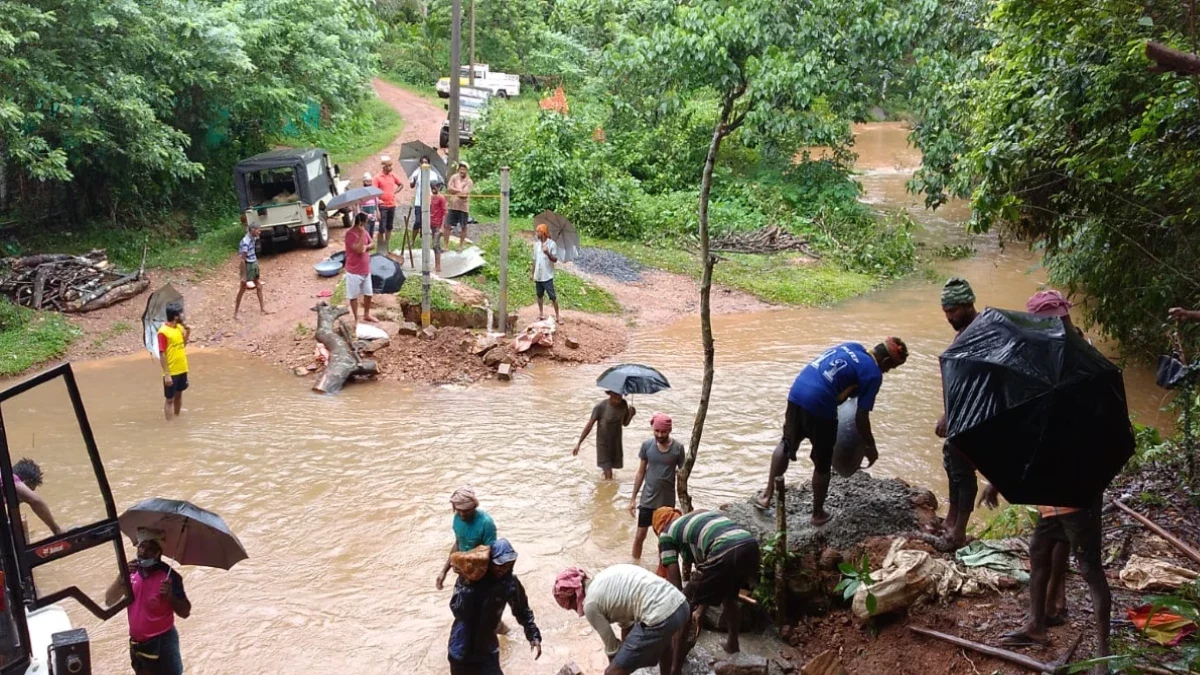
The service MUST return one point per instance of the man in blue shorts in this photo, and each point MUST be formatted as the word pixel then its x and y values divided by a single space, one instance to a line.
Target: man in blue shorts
pixel 841 372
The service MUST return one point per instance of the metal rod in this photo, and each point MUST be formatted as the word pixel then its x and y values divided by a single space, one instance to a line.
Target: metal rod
pixel 455 76
pixel 504 183
pixel 426 198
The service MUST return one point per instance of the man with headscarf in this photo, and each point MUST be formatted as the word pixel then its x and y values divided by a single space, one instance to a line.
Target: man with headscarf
pixel 726 557
pixel 472 526
pixel 545 254
pixel 474 649
pixel 839 373
pixel 958 304
pixel 653 615
pixel 660 457
pixel 158 597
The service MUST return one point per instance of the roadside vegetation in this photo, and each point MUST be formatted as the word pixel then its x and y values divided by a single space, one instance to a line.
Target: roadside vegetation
pixel 28 338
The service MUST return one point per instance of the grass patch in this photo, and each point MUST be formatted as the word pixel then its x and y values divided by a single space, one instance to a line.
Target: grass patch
pixel 775 278
pixel 118 328
pixel 573 293
pixel 354 137
pixel 339 293
pixel 1014 520
pixel 28 338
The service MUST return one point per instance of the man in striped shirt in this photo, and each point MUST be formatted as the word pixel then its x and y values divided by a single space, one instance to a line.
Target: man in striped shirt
pixel 725 555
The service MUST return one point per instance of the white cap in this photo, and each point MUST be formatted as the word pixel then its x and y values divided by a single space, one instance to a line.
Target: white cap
pixel 385 159
pixel 367 176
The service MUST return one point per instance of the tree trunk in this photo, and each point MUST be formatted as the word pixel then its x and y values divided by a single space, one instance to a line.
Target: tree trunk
pixel 719 133
pixel 344 361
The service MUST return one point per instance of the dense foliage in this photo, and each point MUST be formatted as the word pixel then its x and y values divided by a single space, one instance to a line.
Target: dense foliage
pixel 119 107
pixel 1047 115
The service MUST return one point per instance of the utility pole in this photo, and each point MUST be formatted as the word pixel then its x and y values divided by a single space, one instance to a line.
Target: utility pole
pixel 426 200
pixel 471 75
pixel 504 249
pixel 455 66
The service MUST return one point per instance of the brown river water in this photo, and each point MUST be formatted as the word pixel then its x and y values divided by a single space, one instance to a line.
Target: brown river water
pixel 342 501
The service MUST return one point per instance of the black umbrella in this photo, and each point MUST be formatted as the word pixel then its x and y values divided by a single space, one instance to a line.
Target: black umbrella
pixel 156 315
pixel 410 158
pixel 195 536
pixel 632 378
pixel 386 275
pixel 564 234
pixel 1036 409
pixel 352 196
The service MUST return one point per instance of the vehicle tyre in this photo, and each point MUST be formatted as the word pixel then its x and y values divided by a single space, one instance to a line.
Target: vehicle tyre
pixel 502 94
pixel 322 233
pixel 442 94
pixel 444 138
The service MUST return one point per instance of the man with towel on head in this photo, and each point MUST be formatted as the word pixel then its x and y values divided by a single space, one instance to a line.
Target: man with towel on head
pixel 158 597
pixel 958 304
pixel 726 557
pixel 652 614
pixel 472 526
pixel 474 649
pixel 660 457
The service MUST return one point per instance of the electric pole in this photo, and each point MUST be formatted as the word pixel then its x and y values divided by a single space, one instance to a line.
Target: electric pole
pixel 471 75
pixel 455 75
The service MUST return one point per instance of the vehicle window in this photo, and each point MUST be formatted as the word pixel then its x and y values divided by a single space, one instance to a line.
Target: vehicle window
pixel 271 186
pixel 314 169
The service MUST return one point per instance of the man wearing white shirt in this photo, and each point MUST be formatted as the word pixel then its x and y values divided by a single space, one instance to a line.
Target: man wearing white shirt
pixel 545 254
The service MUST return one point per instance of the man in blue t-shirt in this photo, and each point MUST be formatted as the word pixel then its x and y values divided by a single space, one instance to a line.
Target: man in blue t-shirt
pixel 841 372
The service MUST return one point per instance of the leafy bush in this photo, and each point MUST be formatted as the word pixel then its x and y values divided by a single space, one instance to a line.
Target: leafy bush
pixel 607 206
pixel 859 242
pixel 28 338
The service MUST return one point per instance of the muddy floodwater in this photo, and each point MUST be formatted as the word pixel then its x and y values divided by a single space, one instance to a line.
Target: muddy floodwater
pixel 342 501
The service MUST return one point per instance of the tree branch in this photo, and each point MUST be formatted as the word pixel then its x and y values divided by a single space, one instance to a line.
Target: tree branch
pixel 1171 60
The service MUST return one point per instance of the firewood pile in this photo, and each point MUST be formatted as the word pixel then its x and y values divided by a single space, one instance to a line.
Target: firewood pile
pixel 767 240
pixel 68 283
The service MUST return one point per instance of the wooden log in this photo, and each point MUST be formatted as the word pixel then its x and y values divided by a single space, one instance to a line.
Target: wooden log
pixel 86 299
pixel 781 548
pixel 39 284
pixel 344 361
pixel 994 652
pixel 1156 529
pixel 1171 60
pixel 1062 661
pixel 121 293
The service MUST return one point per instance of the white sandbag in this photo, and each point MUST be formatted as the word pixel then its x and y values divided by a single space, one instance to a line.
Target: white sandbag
pixel 850 448
pixel 366 331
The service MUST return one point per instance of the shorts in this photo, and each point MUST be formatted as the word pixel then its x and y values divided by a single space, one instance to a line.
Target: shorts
pixel 645 516
pixel 546 288
pixel 961 475
pixel 643 645
pixel 488 665
pixel 358 285
pixel 1081 530
pixel 252 271
pixel 387 218
pixel 416 224
pixel 799 424
pixel 159 655
pixel 457 219
pixel 178 384
pixel 719 579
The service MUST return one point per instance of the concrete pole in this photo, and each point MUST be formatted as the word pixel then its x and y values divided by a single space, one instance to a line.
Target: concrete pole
pixel 426 199
pixel 471 76
pixel 504 248
pixel 455 65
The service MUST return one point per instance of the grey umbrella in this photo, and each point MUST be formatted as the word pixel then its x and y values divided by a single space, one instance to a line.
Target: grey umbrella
pixel 352 196
pixel 156 315
pixel 563 232
pixel 195 536
pixel 411 154
pixel 632 378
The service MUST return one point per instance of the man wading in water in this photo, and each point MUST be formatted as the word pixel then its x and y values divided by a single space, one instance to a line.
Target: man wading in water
pixel 172 357
pixel 958 304
pixel 612 415
pixel 158 598
pixel 472 527
pixel 477 606
pixel 661 456
pixel 841 372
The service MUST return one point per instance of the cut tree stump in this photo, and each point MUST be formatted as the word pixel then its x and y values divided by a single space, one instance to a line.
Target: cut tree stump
pixel 344 360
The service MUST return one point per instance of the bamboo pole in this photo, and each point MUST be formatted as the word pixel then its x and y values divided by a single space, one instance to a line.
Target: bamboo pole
pixel 504 185
pixel 426 200
pixel 781 548
pixel 1156 529
pixel 995 652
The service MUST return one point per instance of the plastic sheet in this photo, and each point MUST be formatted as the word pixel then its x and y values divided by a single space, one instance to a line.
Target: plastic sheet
pixel 1038 411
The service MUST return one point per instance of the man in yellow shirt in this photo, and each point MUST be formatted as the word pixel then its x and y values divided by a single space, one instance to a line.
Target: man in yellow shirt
pixel 172 356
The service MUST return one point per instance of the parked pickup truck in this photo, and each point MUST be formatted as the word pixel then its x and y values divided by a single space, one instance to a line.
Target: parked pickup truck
pixel 503 85
pixel 471 103
pixel 285 192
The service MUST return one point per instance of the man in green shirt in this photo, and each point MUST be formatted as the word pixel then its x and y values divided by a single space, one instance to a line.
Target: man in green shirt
pixel 472 527
pixel 725 555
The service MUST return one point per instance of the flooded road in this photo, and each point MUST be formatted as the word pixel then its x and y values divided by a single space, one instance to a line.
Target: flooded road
pixel 342 501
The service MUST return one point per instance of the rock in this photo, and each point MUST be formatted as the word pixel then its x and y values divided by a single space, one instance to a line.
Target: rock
pixel 572 343
pixel 494 357
pixel 741 664
pixel 300 371
pixel 467 295
pixel 714 619
pixel 826 663
pixel 504 371
pixel 484 344
pixel 312 367
pixel 427 333
pixel 570 669
pixel 830 558
pixel 408 328
pixel 390 327
pixel 372 346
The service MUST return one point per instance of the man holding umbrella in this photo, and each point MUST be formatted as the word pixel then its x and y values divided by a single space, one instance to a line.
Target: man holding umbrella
pixel 158 597
pixel 958 304
pixel 612 415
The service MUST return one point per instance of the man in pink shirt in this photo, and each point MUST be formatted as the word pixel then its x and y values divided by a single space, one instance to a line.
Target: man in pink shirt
pixel 158 597
pixel 358 268
pixel 389 182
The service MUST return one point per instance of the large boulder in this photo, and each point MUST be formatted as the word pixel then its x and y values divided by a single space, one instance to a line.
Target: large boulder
pixel 741 663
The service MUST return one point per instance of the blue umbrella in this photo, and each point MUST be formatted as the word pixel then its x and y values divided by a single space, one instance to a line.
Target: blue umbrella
pixel 352 196
pixel 632 378
pixel 195 536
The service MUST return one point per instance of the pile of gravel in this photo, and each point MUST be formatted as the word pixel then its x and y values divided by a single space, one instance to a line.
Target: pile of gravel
pixel 609 264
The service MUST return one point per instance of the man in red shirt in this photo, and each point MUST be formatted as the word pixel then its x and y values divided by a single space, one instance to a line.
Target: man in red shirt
pixel 358 268
pixel 389 183
pixel 437 216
